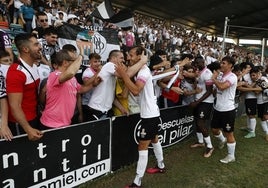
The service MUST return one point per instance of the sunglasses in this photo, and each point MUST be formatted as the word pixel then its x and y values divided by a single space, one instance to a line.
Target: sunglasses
pixel 45 20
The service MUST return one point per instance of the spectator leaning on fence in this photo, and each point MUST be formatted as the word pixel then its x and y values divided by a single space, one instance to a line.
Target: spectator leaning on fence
pixel 89 75
pixel 61 91
pixel 22 88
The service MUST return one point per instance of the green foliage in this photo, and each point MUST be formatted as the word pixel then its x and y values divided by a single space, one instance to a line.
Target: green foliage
pixel 187 167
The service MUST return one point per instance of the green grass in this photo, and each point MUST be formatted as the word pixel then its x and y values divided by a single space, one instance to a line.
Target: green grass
pixel 187 167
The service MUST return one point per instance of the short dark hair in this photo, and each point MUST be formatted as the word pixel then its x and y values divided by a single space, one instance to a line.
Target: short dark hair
pixel 214 66
pixel 160 52
pixel 40 14
pixel 183 56
pixel 261 68
pixel 69 47
pixel 22 40
pixel 61 56
pixel 139 50
pixel 243 65
pixel 198 60
pixel 229 59
pixel 236 68
pixel 4 53
pixel 94 55
pixel 187 67
pixel 255 69
pixel 113 53
pixel 47 6
pixel 50 31
pixel 234 56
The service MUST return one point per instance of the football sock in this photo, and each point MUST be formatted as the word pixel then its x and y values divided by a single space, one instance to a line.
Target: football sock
pixel 252 124
pixel 264 126
pixel 248 122
pixel 220 137
pixel 158 151
pixel 231 149
pixel 208 142
pixel 141 166
pixel 200 137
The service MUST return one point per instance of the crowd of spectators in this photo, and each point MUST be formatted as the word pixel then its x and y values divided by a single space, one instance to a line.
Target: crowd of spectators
pixel 166 45
pixel 43 88
pixel 154 33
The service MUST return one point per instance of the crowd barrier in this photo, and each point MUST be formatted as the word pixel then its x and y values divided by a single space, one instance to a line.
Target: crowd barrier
pixel 70 156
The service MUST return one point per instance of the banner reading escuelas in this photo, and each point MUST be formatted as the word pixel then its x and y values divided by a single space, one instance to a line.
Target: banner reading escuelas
pixel 177 124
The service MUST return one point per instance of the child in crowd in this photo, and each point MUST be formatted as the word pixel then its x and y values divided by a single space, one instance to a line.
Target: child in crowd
pixel 5 61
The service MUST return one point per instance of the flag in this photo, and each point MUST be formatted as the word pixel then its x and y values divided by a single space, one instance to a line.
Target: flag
pixel 104 11
pixel 101 41
pixel 124 18
pixel 69 31
pixel 67 34
pixel 172 80
pixel 163 75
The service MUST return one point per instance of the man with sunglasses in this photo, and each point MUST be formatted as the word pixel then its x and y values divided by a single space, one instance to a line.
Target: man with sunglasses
pixel 42 24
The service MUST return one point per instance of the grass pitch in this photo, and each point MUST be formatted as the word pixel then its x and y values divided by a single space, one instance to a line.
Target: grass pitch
pixel 187 168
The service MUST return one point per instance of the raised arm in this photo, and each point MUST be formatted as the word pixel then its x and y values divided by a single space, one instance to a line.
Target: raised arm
pixel 71 70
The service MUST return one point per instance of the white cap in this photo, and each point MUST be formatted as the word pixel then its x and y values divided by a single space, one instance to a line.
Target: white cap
pixel 70 16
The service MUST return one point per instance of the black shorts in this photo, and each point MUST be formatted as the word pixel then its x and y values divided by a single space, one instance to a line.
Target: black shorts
pixel 149 128
pixel 223 120
pixel 262 109
pixel 96 114
pixel 203 110
pixel 251 106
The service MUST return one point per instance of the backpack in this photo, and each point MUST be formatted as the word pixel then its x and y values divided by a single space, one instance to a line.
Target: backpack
pixel 79 74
